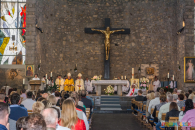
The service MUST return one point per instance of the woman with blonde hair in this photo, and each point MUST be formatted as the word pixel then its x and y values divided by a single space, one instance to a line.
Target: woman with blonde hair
pixel 69 116
pixel 38 107
pixel 191 96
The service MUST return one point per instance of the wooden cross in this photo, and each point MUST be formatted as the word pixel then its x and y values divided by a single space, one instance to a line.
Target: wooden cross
pixel 107 31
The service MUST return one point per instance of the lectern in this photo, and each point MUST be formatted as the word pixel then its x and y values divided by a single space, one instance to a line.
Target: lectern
pixel 35 84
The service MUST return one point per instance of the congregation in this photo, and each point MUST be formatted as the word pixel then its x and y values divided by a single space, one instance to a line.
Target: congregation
pixel 45 111
pixel 155 109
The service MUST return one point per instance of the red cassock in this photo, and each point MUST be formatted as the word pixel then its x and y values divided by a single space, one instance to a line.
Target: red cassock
pixel 132 92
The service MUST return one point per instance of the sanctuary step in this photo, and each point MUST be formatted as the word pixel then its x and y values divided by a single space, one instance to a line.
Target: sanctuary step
pixel 110 103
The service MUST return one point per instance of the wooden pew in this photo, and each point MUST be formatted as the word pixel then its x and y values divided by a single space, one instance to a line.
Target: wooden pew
pixel 30 112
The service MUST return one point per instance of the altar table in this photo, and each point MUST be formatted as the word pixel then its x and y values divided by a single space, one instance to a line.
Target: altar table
pixel 118 83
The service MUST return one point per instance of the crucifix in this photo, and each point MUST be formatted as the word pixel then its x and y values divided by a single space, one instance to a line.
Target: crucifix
pixel 107 31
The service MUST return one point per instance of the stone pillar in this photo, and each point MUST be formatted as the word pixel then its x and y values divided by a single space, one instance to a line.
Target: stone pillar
pixel 98 90
pixel 119 90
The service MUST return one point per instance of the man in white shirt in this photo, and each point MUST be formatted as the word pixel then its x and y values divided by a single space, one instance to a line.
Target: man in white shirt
pixel 156 84
pixel 164 109
pixel 28 103
pixel 43 83
pixel 50 116
pixel 154 102
pixel 36 77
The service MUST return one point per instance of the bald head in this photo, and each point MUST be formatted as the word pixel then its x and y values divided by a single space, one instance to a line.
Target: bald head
pixel 50 116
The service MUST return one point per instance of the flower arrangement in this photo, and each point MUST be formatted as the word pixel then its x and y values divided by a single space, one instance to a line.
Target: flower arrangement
pixel 109 90
pixel 144 82
pixel 95 78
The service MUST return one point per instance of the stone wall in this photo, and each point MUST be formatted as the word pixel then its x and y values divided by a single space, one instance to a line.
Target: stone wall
pixel 153 38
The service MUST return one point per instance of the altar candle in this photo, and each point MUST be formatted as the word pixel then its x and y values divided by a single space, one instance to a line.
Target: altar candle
pixel 168 75
pixel 173 77
pixel 46 76
pixel 125 77
pixel 121 77
pixel 51 74
pixel 40 61
pixel 23 80
pixel 133 71
pixel 47 81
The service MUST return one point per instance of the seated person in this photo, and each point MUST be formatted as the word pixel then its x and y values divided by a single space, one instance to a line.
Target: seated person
pixel 181 102
pixel 16 111
pixel 139 97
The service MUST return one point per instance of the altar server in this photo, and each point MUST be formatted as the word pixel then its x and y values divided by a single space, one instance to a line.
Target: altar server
pixel 88 86
pixel 69 83
pixel 79 84
pixel 60 83
pixel 43 83
pixel 171 83
pixel 156 84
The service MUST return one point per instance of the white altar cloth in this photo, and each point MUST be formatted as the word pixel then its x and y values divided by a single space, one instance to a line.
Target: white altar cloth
pixel 119 83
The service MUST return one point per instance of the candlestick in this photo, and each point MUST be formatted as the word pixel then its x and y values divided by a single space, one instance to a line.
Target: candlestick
pixel 23 80
pixel 51 74
pixel 40 61
pixel 168 75
pixel 46 76
pixel 47 81
pixel 173 77
pixel 121 77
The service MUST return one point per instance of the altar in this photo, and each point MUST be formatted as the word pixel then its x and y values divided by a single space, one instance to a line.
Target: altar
pixel 118 83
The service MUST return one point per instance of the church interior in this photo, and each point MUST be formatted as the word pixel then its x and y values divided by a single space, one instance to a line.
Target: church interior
pixel 129 59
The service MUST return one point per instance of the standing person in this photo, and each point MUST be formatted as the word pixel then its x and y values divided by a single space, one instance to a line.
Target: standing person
pixel 88 85
pixel 69 83
pixel 4 116
pixel 28 103
pixel 60 83
pixel 2 97
pixel 171 83
pixel 43 83
pixel 156 84
pixel 79 84
pixel 36 77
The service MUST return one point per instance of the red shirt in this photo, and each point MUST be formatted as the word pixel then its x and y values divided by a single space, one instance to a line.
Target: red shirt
pixel 80 125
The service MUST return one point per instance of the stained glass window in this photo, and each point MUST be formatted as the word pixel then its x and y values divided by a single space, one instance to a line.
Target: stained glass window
pixel 12 31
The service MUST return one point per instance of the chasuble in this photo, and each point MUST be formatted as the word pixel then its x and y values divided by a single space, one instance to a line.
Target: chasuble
pixel 81 83
pixel 69 85
pixel 60 84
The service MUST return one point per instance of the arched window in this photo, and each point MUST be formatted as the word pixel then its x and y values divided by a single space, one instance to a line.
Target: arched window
pixel 12 31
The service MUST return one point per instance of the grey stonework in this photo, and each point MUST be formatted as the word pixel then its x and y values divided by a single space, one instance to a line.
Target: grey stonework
pixel 153 38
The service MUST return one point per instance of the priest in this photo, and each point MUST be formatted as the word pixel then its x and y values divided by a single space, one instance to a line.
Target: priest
pixel 36 77
pixel 60 83
pixel 156 84
pixel 79 84
pixel 69 83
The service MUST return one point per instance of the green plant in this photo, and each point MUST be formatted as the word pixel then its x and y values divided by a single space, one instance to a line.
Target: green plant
pixel 55 87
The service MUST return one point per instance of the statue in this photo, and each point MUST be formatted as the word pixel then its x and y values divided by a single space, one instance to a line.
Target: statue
pixel 107 33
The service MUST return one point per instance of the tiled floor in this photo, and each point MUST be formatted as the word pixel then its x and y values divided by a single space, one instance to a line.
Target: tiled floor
pixel 115 122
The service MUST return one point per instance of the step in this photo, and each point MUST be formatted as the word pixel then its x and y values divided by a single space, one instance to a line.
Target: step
pixel 110 99
pixel 110 106
pixel 110 102
pixel 110 109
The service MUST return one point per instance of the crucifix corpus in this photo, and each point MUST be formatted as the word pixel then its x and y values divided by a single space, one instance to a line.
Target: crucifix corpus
pixel 107 31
